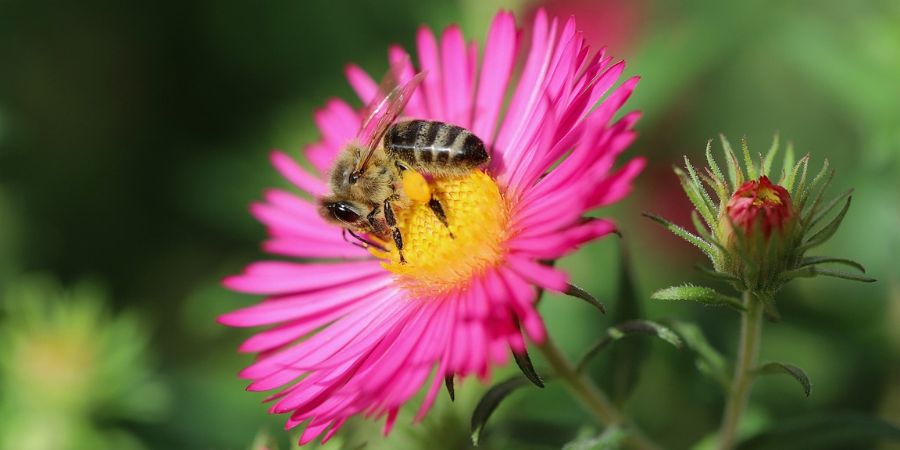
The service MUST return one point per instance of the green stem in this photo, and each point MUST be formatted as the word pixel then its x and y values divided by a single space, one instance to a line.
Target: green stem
pixel 751 330
pixel 591 397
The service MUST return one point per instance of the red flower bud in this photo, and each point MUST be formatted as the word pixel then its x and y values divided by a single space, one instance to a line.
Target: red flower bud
pixel 760 200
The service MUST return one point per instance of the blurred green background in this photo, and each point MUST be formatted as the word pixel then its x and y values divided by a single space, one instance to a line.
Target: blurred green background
pixel 134 134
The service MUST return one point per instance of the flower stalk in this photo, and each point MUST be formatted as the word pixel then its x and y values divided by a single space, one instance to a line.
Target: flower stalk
pixel 592 398
pixel 748 352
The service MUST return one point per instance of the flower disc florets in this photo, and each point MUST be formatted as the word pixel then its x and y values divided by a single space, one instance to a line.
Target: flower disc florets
pixel 441 258
pixel 758 232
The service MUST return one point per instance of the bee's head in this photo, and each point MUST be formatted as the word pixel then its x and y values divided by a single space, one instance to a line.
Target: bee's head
pixel 342 211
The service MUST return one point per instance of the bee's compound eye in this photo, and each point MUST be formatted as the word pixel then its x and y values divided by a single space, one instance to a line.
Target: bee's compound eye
pixel 344 212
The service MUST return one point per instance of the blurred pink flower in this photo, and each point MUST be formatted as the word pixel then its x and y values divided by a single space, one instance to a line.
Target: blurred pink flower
pixel 364 335
pixel 615 24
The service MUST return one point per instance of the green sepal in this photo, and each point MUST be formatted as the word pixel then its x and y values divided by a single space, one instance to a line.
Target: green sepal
pixel 770 156
pixel 625 329
pixel 700 294
pixel 748 160
pixel 577 292
pixel 769 307
pixel 490 401
pixel 735 173
pixel 524 363
pixel 813 271
pixel 716 174
pixel 448 383
pixel 813 187
pixel 789 369
pixel 814 215
pixel 709 208
pixel 697 241
pixel 828 230
pixel 787 163
pixel 814 260
pixel 793 172
pixel 721 276
pixel 699 227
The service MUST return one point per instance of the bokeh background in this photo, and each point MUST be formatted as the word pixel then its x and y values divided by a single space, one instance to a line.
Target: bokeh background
pixel 134 134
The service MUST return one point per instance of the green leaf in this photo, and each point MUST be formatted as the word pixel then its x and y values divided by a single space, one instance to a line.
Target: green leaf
pixel 700 294
pixel 828 230
pixel 630 328
pixel 524 363
pixel 814 260
pixel 490 401
pixel 707 359
pixel 704 246
pixel 577 292
pixel 789 369
pixel 621 367
pixel 848 430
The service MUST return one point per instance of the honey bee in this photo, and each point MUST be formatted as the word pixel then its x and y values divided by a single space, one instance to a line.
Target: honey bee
pixel 365 180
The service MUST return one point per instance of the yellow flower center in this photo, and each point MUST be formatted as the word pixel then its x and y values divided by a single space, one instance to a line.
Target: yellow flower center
pixel 437 262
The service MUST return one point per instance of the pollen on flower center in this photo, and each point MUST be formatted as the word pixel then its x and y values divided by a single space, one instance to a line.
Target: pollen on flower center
pixel 437 262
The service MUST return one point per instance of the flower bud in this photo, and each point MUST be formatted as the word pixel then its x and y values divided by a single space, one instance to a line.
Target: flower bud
pixel 756 233
pixel 760 202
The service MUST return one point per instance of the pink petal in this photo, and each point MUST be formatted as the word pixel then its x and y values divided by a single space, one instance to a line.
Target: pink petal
pixel 416 107
pixel 499 56
pixel 295 174
pixel 276 277
pixel 539 274
pixel 283 309
pixel 617 186
pixel 429 60
pixel 456 82
pixel 364 86
pixel 553 245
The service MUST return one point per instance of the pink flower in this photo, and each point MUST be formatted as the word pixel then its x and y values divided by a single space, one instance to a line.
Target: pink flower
pixel 363 335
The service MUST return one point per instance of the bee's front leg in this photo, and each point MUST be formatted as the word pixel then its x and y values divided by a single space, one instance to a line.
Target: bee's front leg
pixel 395 231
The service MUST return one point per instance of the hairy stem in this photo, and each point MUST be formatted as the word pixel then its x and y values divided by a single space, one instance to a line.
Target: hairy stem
pixel 591 397
pixel 751 330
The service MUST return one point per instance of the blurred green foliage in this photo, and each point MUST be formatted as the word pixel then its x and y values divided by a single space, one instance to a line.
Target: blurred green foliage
pixel 133 135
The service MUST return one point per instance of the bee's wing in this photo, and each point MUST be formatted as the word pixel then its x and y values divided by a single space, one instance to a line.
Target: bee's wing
pixel 382 116
pixel 389 82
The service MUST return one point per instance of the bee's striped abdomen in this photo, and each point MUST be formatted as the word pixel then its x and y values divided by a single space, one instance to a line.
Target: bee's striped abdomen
pixel 435 146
